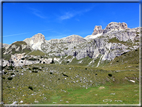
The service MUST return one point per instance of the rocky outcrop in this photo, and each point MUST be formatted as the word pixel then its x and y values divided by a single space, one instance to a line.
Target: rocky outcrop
pixel 19 60
pixel 97 30
pixel 17 47
pixel 35 41
pixel 105 44
pixel 3 45
pixel 114 26
pixel 23 59
pixel 69 39
pixel 73 39
pixel 111 27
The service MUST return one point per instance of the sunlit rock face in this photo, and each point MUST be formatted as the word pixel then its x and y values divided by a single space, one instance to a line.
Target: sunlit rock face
pixel 35 41
pixel 102 44
pixel 73 39
pixel 108 43
pixel 114 26
pixel 97 30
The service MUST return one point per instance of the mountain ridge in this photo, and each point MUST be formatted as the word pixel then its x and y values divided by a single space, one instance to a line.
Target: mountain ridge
pixel 102 45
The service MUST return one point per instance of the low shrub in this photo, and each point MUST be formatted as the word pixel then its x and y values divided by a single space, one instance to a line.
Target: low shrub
pixel 34 71
pixel 12 73
pixel 9 78
pixel 110 75
pixel 30 87
pixel 3 77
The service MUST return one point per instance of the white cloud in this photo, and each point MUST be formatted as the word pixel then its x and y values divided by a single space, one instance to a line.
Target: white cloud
pixel 37 13
pixel 14 34
pixel 69 15
pixel 55 36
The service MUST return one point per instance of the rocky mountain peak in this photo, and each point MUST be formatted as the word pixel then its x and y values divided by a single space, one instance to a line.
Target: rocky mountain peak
pixel 115 26
pixel 38 37
pixel 35 41
pixel 97 30
pixel 73 39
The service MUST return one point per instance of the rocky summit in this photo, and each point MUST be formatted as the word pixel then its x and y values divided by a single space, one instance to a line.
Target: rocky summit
pixel 97 30
pixel 101 46
pixel 35 41
pixel 113 26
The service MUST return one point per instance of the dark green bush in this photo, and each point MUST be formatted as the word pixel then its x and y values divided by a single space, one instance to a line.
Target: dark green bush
pixel 9 78
pixel 35 68
pixel 34 71
pixel 52 62
pixel 5 72
pixel 30 87
pixel 33 59
pixel 110 75
pixel 12 73
pixel 10 67
pixel 65 75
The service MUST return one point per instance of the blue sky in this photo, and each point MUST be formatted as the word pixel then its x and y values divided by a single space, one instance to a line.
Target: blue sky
pixel 58 20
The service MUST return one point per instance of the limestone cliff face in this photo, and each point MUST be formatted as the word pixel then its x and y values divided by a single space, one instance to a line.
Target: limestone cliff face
pixel 35 41
pixel 73 39
pixel 105 44
pixel 61 47
pixel 97 30
pixel 115 26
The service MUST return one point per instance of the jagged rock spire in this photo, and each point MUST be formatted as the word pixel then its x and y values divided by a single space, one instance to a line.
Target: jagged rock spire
pixel 97 30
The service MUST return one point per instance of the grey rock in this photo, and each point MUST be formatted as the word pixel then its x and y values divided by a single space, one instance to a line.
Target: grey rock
pixel 115 26
pixel 35 41
pixel 3 45
pixel 97 30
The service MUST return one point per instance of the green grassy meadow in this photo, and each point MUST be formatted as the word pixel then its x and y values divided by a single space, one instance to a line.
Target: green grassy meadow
pixel 68 84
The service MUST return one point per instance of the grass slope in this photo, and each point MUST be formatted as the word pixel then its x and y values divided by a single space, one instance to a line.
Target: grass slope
pixel 131 57
pixel 115 40
pixel 37 53
pixel 68 84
